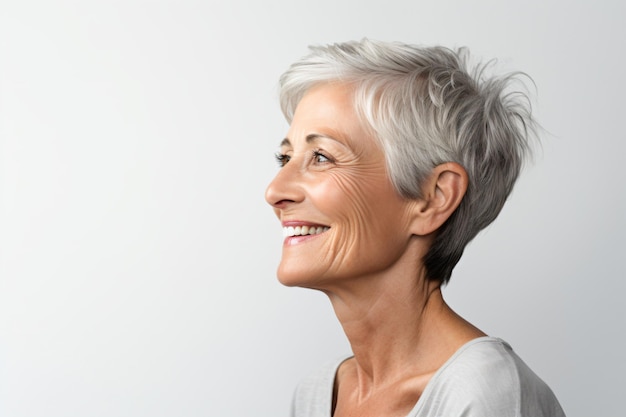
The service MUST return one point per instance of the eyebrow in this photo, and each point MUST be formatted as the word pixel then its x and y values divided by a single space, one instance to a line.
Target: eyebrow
pixel 312 137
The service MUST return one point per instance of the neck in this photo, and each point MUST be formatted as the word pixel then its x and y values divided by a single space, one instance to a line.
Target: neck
pixel 397 319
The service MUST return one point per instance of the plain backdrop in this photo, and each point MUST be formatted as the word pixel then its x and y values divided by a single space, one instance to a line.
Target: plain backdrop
pixel 138 255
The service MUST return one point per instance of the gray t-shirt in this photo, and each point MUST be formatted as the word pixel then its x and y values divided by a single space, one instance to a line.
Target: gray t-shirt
pixel 484 378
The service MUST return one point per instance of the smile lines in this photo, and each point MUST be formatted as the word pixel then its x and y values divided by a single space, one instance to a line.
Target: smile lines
pixel 303 230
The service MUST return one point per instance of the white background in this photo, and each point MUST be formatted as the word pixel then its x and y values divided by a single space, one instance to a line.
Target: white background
pixel 138 254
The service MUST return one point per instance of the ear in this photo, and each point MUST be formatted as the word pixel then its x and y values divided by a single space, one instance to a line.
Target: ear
pixel 441 195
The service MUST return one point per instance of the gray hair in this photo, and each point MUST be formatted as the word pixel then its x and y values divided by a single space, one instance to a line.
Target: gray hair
pixel 426 106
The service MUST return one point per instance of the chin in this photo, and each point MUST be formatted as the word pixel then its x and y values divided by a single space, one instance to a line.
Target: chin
pixel 289 278
pixel 296 277
pixel 287 281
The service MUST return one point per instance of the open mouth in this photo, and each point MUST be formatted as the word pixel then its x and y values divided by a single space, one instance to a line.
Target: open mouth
pixel 290 231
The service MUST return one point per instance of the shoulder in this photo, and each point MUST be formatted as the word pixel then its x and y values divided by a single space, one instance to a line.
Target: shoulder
pixel 486 378
pixel 314 394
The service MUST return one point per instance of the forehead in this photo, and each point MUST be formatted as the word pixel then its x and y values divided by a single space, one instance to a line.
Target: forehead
pixel 328 109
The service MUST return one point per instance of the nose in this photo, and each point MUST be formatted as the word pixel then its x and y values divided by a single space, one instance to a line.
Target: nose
pixel 285 188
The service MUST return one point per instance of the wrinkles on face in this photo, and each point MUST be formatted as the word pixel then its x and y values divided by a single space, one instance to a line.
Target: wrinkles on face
pixel 370 229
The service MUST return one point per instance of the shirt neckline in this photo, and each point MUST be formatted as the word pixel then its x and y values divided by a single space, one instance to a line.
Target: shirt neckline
pixel 429 385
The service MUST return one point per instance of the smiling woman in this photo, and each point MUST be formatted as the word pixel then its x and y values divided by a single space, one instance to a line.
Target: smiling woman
pixel 394 160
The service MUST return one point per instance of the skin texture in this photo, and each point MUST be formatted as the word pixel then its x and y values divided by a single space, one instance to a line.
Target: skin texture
pixel 369 260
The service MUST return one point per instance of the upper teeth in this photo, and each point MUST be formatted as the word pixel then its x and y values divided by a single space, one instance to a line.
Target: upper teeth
pixel 303 230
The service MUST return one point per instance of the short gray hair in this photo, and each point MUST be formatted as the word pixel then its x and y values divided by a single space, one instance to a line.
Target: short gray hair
pixel 426 106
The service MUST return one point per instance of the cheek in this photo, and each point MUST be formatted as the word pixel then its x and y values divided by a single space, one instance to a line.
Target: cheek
pixel 361 200
pixel 346 199
pixel 370 223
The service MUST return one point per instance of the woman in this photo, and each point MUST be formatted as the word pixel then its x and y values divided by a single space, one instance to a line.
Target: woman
pixel 396 157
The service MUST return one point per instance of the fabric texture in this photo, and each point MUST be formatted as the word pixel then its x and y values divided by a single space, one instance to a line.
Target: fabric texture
pixel 484 378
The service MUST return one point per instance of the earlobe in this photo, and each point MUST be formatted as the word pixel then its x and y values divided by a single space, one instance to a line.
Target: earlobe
pixel 442 194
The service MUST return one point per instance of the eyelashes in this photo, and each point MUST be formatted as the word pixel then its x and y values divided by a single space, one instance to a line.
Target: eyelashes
pixel 282 159
pixel 319 157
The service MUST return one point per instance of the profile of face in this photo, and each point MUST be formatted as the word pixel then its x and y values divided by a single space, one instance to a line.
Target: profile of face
pixel 342 217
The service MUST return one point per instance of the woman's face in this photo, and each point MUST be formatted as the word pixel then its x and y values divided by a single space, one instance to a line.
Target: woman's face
pixel 341 215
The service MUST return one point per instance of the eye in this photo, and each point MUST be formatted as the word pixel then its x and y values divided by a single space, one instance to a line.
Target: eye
pixel 320 158
pixel 282 159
